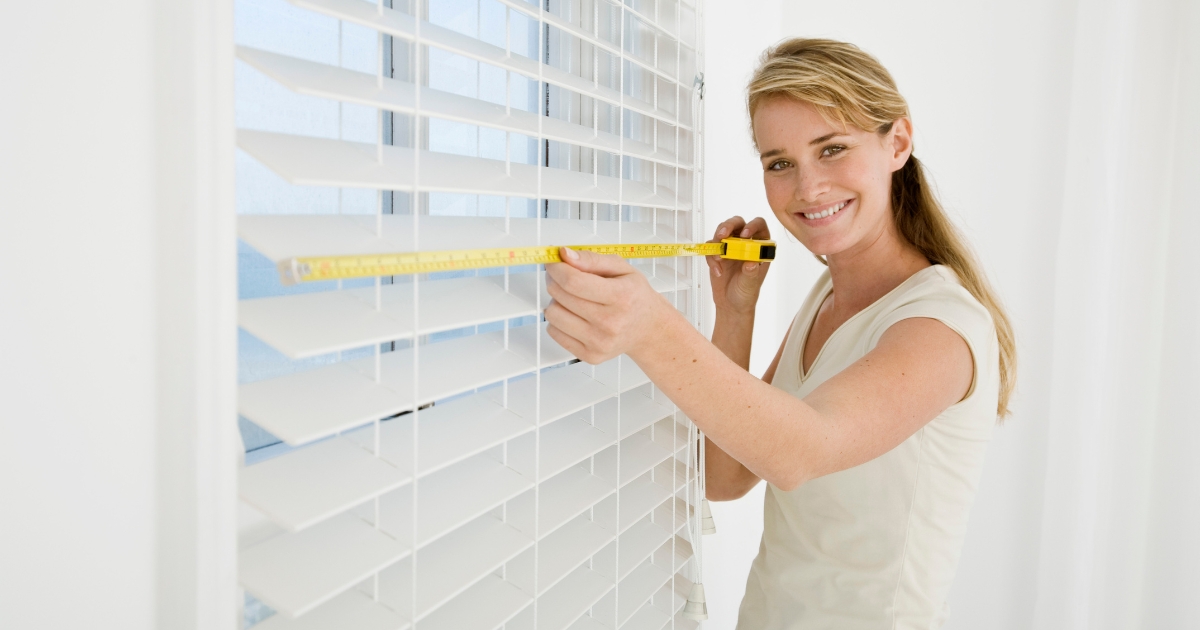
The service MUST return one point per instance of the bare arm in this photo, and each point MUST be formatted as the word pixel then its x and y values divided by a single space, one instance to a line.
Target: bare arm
pixel 725 477
pixel 735 294
pixel 918 369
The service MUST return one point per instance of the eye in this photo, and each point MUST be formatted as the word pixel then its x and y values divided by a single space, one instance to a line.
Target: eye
pixel 832 150
pixel 778 165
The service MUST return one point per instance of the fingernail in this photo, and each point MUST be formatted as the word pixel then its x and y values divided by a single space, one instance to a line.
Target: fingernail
pixel 722 231
pixel 751 266
pixel 745 233
pixel 718 271
pixel 572 254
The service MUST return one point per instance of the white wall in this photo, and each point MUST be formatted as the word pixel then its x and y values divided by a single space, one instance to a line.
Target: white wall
pixel 117 311
pixel 734 37
pixel 76 250
pixel 988 84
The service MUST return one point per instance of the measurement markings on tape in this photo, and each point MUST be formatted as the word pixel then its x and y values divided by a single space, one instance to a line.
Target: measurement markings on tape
pixel 314 268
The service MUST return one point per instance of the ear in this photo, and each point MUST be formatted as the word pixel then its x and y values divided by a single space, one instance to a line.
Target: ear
pixel 900 141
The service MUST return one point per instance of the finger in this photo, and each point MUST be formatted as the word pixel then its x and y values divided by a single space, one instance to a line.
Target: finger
pixel 729 226
pixel 588 286
pixel 756 228
pixel 714 265
pixel 568 322
pixel 586 309
pixel 604 266
pixel 569 343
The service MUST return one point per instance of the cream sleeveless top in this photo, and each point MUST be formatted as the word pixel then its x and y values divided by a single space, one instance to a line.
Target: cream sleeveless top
pixel 876 546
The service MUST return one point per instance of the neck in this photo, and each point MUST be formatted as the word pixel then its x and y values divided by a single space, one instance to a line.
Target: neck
pixel 868 271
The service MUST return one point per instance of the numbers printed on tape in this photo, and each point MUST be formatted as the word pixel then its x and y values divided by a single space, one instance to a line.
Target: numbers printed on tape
pixel 314 268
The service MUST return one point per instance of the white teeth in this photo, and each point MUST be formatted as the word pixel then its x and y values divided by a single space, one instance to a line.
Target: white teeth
pixel 824 213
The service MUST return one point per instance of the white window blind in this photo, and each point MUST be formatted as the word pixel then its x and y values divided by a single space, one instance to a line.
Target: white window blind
pixel 429 457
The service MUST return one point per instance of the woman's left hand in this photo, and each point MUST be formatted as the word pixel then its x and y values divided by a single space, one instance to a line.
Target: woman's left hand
pixel 602 306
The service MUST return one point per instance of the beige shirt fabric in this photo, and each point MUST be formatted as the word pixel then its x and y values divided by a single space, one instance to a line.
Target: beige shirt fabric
pixel 876 546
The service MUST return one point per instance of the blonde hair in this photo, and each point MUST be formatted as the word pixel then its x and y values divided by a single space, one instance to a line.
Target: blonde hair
pixel 850 87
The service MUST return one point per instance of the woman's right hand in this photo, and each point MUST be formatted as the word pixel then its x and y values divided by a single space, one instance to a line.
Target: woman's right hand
pixel 736 283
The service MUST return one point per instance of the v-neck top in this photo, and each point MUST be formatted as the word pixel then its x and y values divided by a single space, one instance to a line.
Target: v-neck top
pixel 876 546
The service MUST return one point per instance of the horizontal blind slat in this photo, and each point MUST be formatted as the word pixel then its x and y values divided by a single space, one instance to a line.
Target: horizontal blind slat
pixel 279 237
pixel 300 488
pixel 306 406
pixel 564 443
pixel 488 603
pixel 464 426
pixel 296 572
pixel 638 543
pixel 312 161
pixel 648 617
pixel 631 375
pixel 402 25
pixel 310 324
pixel 639 454
pixel 450 432
pixel 679 470
pixel 450 566
pixel 637 588
pixel 638 411
pixel 640 498
pixel 664 277
pixel 351 609
pixel 564 391
pixel 566 602
pixel 683 623
pixel 609 47
pixel 683 552
pixel 325 81
pixel 304 487
pixel 567 549
pixel 674 509
pixel 588 623
pixel 563 497
pixel 477 485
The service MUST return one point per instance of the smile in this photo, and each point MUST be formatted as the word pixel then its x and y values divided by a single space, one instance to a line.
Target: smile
pixel 827 212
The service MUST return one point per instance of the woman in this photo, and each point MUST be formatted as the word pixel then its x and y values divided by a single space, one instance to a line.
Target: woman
pixel 871 423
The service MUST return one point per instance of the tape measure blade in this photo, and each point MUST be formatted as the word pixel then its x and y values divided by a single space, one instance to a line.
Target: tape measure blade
pixel 316 268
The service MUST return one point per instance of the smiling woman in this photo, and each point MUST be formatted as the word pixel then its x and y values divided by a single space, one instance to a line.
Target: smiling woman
pixel 871 424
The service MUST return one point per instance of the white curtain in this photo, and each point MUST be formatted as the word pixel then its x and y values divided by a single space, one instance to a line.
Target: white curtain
pixel 1120 530
pixel 1064 137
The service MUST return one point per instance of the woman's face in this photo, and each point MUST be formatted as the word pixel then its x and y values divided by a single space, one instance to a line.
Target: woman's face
pixel 829 186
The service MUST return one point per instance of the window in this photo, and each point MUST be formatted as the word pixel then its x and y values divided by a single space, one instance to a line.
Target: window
pixel 419 452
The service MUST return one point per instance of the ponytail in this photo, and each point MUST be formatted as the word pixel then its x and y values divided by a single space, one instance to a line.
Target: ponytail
pixel 922 222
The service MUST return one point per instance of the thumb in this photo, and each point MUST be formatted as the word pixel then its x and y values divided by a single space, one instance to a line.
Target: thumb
pixel 591 262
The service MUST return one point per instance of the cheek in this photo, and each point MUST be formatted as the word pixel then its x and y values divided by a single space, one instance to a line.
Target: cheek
pixel 779 192
pixel 865 179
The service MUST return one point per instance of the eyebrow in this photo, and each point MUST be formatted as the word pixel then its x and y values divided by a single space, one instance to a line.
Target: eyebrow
pixel 823 138
pixel 827 137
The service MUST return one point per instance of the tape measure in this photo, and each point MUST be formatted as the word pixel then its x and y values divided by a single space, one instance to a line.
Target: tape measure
pixel 314 268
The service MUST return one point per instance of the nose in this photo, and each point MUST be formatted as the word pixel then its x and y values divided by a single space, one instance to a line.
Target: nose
pixel 810 185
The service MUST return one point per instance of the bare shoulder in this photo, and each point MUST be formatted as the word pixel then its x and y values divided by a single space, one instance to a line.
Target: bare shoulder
pixel 932 353
pixel 919 368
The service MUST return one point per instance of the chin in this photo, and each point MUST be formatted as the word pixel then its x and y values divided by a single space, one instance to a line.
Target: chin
pixel 823 246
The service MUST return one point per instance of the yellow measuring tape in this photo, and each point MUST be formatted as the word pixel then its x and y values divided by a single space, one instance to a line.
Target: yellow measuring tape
pixel 313 268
